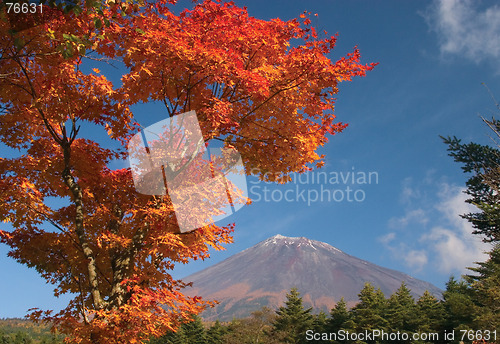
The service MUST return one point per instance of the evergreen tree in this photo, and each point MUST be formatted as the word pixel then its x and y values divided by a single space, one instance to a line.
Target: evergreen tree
pixel 172 337
pixel 430 313
pixel 400 314
pixel 480 296
pixel 459 306
pixel 484 185
pixel 319 325
pixel 215 334
pixel 486 291
pixel 370 311
pixel 194 331
pixel 340 318
pixel 293 320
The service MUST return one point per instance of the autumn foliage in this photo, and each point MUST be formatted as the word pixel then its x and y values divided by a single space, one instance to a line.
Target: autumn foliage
pixel 265 88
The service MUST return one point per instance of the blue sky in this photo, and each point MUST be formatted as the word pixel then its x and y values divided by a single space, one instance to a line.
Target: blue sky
pixel 433 58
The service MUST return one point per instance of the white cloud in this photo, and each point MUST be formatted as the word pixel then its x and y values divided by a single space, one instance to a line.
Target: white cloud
pixel 455 245
pixel 416 259
pixel 409 193
pixel 434 235
pixel 466 30
pixel 385 239
pixel 452 204
pixel 411 216
pixel 455 252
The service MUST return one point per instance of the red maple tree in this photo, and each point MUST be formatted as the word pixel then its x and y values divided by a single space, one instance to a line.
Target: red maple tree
pixel 263 87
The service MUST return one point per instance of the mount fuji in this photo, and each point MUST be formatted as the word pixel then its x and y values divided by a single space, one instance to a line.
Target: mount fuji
pixel 262 275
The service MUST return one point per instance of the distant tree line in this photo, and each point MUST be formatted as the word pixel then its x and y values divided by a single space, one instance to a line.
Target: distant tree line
pixel 19 331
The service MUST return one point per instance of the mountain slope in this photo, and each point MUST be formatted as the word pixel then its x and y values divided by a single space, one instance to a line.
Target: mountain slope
pixel 261 276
